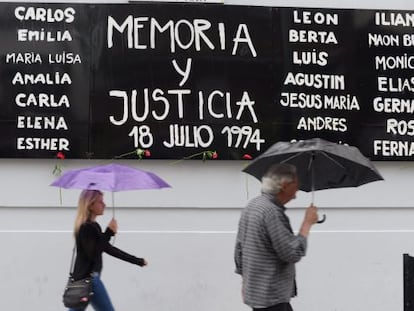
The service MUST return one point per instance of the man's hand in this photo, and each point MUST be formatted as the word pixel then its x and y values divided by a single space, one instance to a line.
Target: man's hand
pixel 311 214
pixel 311 217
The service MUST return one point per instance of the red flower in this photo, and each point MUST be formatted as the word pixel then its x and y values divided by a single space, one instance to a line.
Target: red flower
pixel 60 155
pixel 147 153
pixel 214 155
pixel 247 157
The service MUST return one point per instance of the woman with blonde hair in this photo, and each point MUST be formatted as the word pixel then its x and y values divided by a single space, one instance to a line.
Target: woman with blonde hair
pixel 91 242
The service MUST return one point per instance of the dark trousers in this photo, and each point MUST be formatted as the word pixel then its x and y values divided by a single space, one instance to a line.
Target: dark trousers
pixel 279 307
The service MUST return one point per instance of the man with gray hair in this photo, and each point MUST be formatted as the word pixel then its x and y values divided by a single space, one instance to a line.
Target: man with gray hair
pixel 266 247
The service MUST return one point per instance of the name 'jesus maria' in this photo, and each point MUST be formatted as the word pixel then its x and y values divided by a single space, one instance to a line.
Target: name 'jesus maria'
pixel 319 101
pixel 41 78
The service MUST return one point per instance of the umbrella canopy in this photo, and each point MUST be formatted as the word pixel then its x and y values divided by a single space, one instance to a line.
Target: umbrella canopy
pixel 320 164
pixel 111 177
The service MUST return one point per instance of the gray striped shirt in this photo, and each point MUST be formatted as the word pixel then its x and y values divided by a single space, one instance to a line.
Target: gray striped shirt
pixel 266 252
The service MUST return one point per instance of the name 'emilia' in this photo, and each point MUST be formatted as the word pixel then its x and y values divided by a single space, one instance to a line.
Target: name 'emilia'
pixel 43 35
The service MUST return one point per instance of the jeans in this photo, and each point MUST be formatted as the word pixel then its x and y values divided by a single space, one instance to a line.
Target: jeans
pixel 100 300
pixel 279 307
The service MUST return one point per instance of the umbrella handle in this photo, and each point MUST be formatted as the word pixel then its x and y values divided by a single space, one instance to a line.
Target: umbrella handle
pixel 322 220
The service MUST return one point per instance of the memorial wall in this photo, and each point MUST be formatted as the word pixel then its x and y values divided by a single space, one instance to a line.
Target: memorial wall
pixel 102 80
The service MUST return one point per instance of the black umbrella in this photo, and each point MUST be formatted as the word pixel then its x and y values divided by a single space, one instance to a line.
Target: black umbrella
pixel 320 164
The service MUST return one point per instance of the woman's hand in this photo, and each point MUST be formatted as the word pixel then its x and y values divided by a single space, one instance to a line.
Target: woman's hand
pixel 113 225
pixel 141 262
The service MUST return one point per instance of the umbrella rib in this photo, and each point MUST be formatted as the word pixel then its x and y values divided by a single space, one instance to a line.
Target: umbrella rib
pixel 293 156
pixel 332 159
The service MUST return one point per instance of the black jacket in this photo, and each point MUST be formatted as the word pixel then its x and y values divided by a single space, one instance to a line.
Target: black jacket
pixel 90 243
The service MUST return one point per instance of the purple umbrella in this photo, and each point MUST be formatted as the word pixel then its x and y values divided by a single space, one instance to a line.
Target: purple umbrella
pixel 111 177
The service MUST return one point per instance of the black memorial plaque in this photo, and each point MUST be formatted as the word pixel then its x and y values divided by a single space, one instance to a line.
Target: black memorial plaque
pixel 179 79
pixel 44 87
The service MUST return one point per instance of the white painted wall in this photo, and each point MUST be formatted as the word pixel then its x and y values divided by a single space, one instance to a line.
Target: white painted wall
pixel 187 233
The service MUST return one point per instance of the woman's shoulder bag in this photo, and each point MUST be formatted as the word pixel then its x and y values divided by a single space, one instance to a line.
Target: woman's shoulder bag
pixel 77 294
